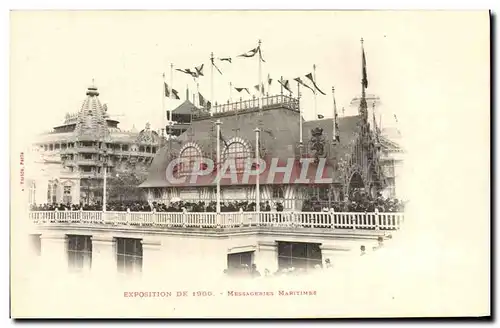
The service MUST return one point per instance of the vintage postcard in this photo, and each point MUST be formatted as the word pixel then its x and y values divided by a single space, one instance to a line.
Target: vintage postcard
pixel 250 164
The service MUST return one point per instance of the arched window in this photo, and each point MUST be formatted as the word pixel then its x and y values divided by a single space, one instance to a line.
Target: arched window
pixel 189 155
pixel 239 150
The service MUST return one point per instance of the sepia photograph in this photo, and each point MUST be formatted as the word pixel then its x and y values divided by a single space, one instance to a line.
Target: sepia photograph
pixel 249 164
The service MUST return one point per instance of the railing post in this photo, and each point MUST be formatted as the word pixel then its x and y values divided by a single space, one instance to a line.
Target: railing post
pixel 80 215
pixel 332 218
pixel 56 215
pixel 353 221
pixel 154 220
pixel 184 217
pixel 127 217
pixel 217 220
pixel 377 220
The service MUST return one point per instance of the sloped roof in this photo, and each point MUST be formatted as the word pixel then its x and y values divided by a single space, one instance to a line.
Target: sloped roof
pixel 279 138
pixel 186 107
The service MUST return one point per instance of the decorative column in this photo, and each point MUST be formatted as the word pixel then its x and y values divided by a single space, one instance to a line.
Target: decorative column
pixel 104 255
pixel 54 251
pixel 152 260
pixel 266 257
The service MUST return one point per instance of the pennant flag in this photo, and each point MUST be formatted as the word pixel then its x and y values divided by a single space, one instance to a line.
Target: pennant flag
pixel 364 81
pixel 257 87
pixel 226 59
pixel 175 94
pixel 298 79
pixel 241 89
pixel 199 70
pixel 250 53
pixel 260 55
pixel 209 105
pixel 321 116
pixel 167 91
pixel 286 85
pixel 269 80
pixel 188 72
pixel 213 63
pixel 310 77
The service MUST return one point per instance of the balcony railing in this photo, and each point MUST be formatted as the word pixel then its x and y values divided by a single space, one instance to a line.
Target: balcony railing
pixel 329 220
pixel 253 104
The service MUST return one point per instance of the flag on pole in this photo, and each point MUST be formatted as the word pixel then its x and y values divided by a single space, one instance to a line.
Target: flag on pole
pixel 204 102
pixel 269 80
pixel 167 91
pixel 199 70
pixel 299 80
pixel 257 87
pixel 310 77
pixel 241 89
pixel 213 63
pixel 364 81
pixel 252 53
pixel 188 72
pixel 175 94
pixel 286 85
pixel 228 59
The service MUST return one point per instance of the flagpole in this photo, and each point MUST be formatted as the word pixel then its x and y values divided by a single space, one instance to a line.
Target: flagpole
pixel 230 91
pixel 315 103
pixel 260 76
pixel 218 167
pixel 198 93
pixel 171 78
pixel 281 84
pixel 163 118
pixel 334 134
pixel 300 112
pixel 212 82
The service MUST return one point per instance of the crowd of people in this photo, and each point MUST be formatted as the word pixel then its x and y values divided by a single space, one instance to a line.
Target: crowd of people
pixel 359 203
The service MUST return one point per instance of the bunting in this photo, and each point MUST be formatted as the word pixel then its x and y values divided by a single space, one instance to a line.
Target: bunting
pixel 213 63
pixel 199 70
pixel 286 85
pixel 252 53
pixel 188 72
pixel 257 87
pixel 310 77
pixel 241 89
pixel 299 80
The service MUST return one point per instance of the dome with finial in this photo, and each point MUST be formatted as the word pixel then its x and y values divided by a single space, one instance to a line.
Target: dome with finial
pixel 91 121
pixel 148 136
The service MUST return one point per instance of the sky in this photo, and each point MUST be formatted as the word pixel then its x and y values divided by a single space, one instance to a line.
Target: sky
pixel 127 52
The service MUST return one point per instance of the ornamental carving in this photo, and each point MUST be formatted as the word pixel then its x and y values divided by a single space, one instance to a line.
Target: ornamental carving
pixel 317 143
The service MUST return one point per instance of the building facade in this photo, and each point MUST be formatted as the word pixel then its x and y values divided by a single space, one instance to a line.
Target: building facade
pixel 346 150
pixel 75 153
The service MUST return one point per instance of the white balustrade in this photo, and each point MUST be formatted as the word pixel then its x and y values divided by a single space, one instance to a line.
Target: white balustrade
pixel 227 220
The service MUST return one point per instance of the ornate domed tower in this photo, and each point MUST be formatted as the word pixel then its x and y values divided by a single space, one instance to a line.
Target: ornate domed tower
pixel 91 123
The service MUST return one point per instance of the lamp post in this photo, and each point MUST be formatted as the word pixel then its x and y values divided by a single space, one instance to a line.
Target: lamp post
pixel 217 124
pixel 104 167
pixel 257 182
